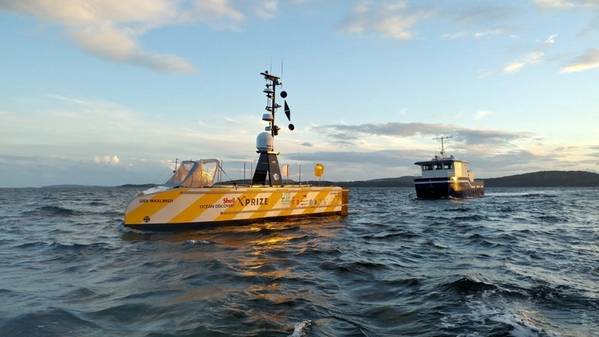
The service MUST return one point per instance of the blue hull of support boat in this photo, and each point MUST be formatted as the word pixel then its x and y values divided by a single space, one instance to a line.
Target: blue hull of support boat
pixel 435 188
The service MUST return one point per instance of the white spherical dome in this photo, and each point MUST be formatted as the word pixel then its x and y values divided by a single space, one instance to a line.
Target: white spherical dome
pixel 264 142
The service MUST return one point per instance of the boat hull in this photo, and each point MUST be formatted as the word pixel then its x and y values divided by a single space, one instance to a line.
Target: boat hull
pixel 441 188
pixel 198 207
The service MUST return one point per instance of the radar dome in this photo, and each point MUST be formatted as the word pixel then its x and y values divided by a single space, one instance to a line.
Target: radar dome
pixel 264 142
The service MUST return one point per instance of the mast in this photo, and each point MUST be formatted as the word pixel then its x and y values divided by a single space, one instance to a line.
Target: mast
pixel 267 168
pixel 272 82
pixel 442 139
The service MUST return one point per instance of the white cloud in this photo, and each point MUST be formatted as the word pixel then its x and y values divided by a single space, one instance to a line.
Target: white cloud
pixel 218 13
pixel 112 29
pixel 266 9
pixel 587 61
pixel 391 19
pixel 476 35
pixel 528 59
pixel 116 145
pixel 482 114
pixel 566 4
pixel 107 159
pixel 108 41
pixel 551 39
pixel 108 129
pixel 455 35
pixel 554 3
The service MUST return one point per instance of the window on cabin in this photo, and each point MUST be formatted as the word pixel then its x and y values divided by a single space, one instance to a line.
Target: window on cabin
pixel 448 166
pixel 438 166
pixel 427 167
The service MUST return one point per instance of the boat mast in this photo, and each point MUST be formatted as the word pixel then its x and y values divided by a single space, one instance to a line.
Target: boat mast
pixel 442 139
pixel 271 93
pixel 268 171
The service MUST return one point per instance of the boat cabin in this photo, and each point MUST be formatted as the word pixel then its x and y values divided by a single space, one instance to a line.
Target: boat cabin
pixel 446 167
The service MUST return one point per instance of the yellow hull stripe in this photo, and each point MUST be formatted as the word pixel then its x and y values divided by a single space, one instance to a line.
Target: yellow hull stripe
pixel 151 206
pixel 181 206
pixel 195 209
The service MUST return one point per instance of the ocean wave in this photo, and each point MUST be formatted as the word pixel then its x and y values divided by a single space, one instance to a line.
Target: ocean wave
pixel 552 219
pixel 467 285
pixel 74 246
pixel 390 235
pixel 52 211
pixel 49 322
pixel 543 194
pixel 473 217
pixel 97 203
pixel 353 267
pixel 301 329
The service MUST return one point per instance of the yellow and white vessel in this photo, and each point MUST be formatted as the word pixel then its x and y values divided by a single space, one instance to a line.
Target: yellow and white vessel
pixel 191 198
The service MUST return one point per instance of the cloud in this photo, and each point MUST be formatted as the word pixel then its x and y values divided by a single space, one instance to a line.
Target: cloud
pixel 587 61
pixel 118 45
pixel 475 35
pixel 266 9
pixel 107 159
pixel 551 39
pixel 482 114
pixel 351 165
pixel 35 171
pixel 488 32
pixel 483 13
pixel 218 13
pixel 528 59
pixel 114 144
pixel 566 4
pixel 397 19
pixel 38 148
pixel 469 136
pixel 112 29
pixel 107 128
pixel 391 19
pixel 554 3
pixel 383 158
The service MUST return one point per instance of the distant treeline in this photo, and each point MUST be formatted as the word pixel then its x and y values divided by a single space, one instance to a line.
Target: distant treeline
pixel 547 179
pixel 533 179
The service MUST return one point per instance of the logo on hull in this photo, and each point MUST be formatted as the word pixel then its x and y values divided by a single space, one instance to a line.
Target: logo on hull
pixel 253 201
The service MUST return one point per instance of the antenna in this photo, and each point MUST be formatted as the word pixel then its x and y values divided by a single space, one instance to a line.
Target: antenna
pixel 281 67
pixel 272 82
pixel 442 139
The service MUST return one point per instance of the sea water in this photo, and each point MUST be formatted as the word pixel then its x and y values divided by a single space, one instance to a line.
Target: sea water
pixel 520 262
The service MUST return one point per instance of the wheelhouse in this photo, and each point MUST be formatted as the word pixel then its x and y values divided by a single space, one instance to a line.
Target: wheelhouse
pixel 445 168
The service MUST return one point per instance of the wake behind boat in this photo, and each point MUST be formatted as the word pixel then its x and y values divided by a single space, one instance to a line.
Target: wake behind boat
pixel 191 198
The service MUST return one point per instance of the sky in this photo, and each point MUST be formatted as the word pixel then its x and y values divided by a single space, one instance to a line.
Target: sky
pixel 103 92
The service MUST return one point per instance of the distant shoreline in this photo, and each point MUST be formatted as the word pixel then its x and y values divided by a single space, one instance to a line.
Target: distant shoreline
pixel 532 179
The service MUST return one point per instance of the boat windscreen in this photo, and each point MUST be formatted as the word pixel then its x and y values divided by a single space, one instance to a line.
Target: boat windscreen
pixel 201 175
pixel 180 173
